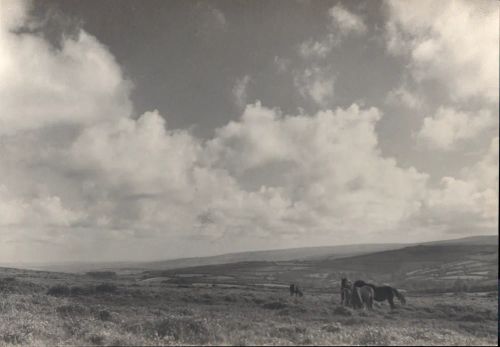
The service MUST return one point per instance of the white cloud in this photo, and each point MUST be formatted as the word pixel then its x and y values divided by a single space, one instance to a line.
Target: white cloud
pixel 281 63
pixel 77 84
pixel 335 175
pixel 403 96
pixel 453 42
pixel 36 212
pixel 316 83
pixel 211 20
pixel 346 21
pixel 79 172
pixel 240 90
pixel 448 127
pixel 470 201
pixel 343 23
pixel 319 49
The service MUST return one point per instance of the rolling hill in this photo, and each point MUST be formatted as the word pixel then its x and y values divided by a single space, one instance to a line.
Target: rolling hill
pixel 388 258
pixel 425 266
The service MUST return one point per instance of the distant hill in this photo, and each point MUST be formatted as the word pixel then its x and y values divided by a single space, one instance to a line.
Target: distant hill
pixel 307 253
pixel 426 266
pixel 274 255
pixel 471 240
pixel 317 255
pixel 268 255
pixel 408 258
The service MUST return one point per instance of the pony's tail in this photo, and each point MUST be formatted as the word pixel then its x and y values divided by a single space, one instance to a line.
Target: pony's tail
pixel 399 295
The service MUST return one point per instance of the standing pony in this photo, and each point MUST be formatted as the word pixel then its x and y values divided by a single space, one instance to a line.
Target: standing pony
pixel 345 292
pixel 295 290
pixel 382 293
pixel 362 297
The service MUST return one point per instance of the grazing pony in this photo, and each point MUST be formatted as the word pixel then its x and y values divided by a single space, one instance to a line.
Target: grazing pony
pixel 382 293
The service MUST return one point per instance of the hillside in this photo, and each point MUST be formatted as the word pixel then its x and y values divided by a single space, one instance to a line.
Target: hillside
pixel 276 255
pixel 61 309
pixel 415 267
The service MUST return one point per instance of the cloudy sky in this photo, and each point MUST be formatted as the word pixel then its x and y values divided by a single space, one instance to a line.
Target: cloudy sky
pixel 150 130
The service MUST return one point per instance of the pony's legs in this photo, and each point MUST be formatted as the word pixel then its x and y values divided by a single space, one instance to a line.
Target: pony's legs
pixel 391 302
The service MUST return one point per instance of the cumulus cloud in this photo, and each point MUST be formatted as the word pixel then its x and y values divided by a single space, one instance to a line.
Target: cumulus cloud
pixel 328 188
pixel 36 212
pixel 316 83
pixel 343 23
pixel 79 169
pixel 211 20
pixel 449 126
pixel 240 90
pixel 281 64
pixel 404 96
pixel 469 201
pixel 80 83
pixel 319 49
pixel 346 21
pixel 452 42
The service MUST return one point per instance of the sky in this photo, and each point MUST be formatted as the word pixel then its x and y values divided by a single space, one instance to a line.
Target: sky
pixel 162 129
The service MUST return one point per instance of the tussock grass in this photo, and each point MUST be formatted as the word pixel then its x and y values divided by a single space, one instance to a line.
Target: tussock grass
pixel 122 313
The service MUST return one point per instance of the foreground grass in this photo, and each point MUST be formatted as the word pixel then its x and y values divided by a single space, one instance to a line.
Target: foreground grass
pixel 155 314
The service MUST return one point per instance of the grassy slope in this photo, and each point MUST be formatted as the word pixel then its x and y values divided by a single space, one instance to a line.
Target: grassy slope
pixel 155 313
pixel 233 307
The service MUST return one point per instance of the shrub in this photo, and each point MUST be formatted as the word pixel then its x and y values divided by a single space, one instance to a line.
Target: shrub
pixel 184 329
pixel 15 286
pixel 343 311
pixel 374 337
pixel 106 288
pixel 479 318
pixel 96 339
pixel 357 321
pixel 104 315
pixel 59 290
pixel 101 274
pixel 14 338
pixel 76 290
pixel 332 328
pixel 230 298
pixel 71 310
pixel 274 305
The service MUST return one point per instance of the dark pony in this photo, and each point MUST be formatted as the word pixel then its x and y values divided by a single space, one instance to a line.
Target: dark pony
pixel 382 293
pixel 295 290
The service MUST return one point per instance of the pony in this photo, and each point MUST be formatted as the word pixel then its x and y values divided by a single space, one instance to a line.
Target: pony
pixel 363 297
pixel 298 291
pixel 295 290
pixel 345 292
pixel 382 293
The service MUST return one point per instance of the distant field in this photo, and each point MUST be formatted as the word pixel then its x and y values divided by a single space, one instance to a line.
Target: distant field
pixel 138 309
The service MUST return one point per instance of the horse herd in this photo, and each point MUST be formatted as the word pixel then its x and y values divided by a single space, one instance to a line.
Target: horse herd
pixel 361 294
